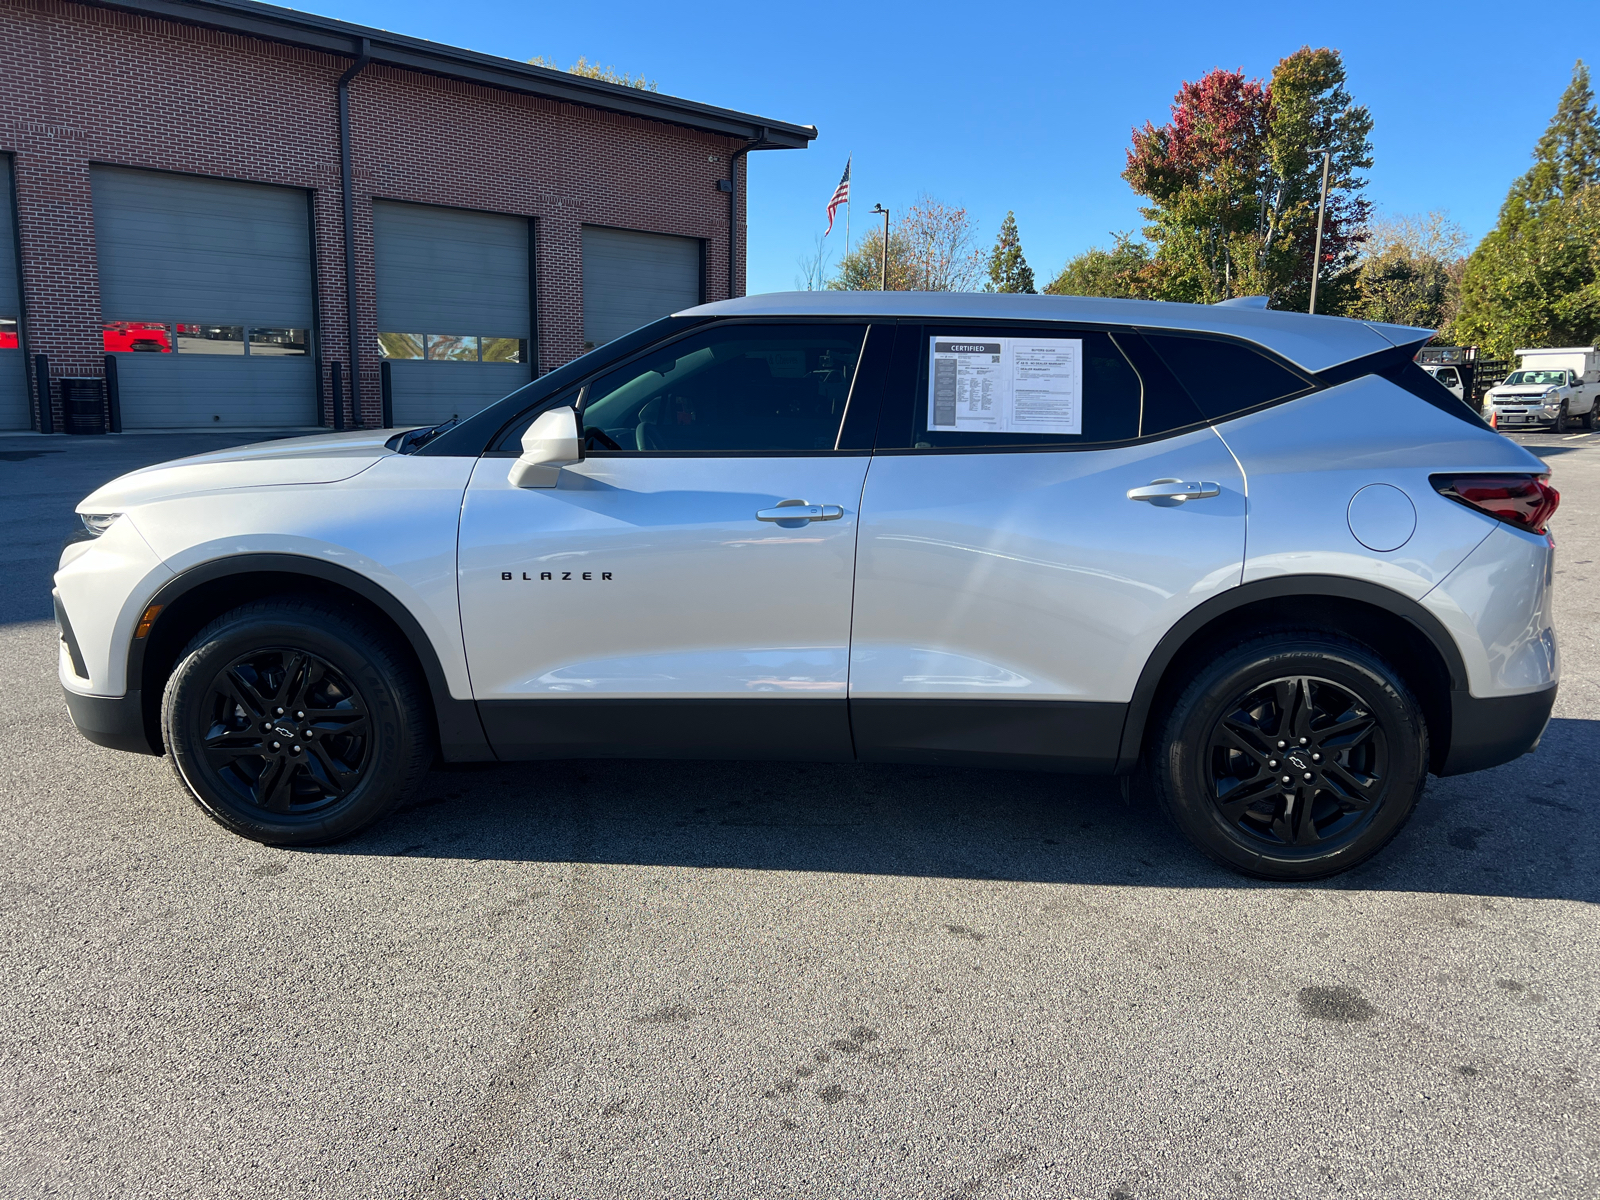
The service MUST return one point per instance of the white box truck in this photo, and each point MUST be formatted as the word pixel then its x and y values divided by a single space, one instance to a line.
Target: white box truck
pixel 1552 386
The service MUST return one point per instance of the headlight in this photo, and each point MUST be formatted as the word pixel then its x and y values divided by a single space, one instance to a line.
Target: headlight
pixel 1548 392
pixel 97 523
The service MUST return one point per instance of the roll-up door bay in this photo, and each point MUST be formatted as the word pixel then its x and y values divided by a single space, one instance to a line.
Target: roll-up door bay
pixel 205 290
pixel 632 278
pixel 453 308
pixel 13 375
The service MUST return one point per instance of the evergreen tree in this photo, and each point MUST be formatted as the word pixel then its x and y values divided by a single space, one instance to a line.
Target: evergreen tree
pixel 1008 270
pixel 1535 279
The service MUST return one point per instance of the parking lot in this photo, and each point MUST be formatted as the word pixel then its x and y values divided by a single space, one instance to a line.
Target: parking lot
pixel 645 979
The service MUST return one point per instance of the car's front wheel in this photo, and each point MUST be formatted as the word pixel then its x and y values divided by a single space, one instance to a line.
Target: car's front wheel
pixel 1559 425
pixel 1293 756
pixel 293 724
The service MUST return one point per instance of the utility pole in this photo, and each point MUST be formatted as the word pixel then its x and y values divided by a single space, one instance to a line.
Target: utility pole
pixel 883 277
pixel 1316 254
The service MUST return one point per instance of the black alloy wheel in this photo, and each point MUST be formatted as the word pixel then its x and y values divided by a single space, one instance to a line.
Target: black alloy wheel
pixel 1297 762
pixel 286 732
pixel 1293 756
pixel 295 722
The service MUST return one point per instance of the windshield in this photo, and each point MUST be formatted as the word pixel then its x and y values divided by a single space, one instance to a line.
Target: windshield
pixel 1530 378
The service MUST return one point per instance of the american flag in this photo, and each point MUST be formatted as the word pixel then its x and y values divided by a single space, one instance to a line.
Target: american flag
pixel 841 195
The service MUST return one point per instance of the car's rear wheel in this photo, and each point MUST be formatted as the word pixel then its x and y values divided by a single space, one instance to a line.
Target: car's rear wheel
pixel 1292 757
pixel 1589 417
pixel 292 724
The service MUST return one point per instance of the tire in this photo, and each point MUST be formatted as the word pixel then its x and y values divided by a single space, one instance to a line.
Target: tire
pixel 1210 767
pixel 1588 417
pixel 360 748
pixel 1559 425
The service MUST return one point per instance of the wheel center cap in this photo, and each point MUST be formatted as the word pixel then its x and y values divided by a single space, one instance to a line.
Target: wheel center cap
pixel 283 731
pixel 1299 762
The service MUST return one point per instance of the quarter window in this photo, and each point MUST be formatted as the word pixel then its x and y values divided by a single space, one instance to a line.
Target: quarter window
pixel 750 388
pixel 1225 378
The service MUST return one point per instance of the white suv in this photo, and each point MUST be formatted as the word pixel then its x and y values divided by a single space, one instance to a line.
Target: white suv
pixel 1261 556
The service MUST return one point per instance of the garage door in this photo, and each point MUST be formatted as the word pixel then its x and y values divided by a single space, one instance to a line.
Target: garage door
pixel 631 279
pixel 453 308
pixel 14 412
pixel 205 290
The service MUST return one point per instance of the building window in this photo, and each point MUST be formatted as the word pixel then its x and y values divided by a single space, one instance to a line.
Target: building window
pixel 210 339
pixel 267 341
pixel 446 347
pixel 504 350
pixel 400 345
pixel 149 337
pixel 452 347
pixel 155 337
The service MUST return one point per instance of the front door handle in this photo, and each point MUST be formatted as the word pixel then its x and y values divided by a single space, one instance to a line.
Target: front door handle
pixel 799 511
pixel 1174 491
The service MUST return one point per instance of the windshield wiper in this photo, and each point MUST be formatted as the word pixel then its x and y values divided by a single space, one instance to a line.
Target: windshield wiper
pixel 413 440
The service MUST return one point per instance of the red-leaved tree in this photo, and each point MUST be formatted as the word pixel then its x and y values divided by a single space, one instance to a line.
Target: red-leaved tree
pixel 1233 181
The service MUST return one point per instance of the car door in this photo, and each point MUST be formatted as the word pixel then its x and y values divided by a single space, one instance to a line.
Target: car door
pixel 1044 504
pixel 657 601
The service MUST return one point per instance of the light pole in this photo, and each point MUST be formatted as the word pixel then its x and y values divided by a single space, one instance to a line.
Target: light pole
pixel 1316 254
pixel 883 276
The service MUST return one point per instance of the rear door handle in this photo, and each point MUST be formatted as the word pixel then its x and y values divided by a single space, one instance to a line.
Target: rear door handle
pixel 1174 491
pixel 799 510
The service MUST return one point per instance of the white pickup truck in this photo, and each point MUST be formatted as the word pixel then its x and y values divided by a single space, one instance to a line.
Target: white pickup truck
pixel 1549 387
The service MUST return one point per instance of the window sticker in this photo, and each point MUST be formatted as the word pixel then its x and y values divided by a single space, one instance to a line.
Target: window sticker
pixel 1006 385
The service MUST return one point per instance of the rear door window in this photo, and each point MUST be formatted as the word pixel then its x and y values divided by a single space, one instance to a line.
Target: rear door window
pixel 1023 387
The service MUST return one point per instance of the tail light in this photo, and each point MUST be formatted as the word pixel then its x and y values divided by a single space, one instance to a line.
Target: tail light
pixel 1526 501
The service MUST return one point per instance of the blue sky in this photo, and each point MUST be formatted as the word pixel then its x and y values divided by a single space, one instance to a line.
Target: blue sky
pixel 1028 106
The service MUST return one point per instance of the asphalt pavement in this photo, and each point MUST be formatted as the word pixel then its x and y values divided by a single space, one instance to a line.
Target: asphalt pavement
pixel 649 979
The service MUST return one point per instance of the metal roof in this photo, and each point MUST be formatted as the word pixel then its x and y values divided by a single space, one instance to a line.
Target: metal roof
pixel 1312 343
pixel 396 50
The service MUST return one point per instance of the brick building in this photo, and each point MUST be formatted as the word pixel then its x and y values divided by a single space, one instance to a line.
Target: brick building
pixel 179 236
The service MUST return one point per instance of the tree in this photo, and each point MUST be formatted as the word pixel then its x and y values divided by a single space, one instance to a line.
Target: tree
pixel 1411 271
pixel 1008 269
pixel 1535 279
pixel 930 250
pixel 1234 180
pixel 1116 272
pixel 813 266
pixel 593 70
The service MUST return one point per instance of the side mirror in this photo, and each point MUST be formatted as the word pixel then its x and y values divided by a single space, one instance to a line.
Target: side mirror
pixel 550 444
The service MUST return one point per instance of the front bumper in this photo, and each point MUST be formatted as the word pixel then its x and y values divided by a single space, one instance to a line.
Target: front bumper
pixel 1488 732
pixel 1531 418
pixel 116 722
